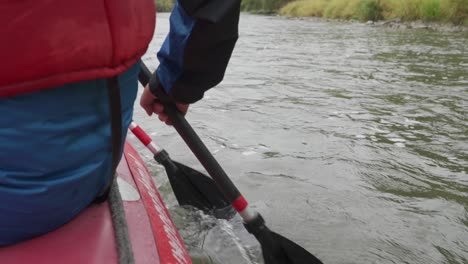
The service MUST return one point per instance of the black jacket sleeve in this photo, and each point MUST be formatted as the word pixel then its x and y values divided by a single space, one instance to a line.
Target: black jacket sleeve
pixel 197 50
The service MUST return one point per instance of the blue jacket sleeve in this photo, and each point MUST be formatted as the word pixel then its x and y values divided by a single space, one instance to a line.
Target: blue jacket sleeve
pixel 196 52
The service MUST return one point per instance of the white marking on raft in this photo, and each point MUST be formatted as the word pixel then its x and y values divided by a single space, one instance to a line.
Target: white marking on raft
pixel 127 191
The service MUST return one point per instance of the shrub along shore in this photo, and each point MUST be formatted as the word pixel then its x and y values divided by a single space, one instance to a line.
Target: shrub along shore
pixel 445 11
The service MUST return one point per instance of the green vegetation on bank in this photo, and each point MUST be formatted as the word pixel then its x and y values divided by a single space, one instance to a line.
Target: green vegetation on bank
pixel 455 11
pixel 263 6
pixel 164 5
pixel 255 6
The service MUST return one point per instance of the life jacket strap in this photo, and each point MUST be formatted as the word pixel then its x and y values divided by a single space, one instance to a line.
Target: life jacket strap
pixel 115 108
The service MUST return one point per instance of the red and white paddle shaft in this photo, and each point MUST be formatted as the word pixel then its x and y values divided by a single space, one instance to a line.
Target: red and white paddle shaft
pixel 240 204
pixel 144 138
pixel 242 207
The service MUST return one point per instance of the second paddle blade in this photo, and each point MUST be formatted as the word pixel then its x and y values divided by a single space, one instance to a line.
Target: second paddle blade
pixel 194 188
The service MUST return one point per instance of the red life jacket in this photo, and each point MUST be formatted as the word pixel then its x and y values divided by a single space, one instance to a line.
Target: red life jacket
pixel 47 43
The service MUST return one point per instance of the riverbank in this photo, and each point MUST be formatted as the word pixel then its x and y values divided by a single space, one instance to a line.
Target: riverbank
pixel 441 11
pixel 431 14
pixel 396 24
pixel 419 24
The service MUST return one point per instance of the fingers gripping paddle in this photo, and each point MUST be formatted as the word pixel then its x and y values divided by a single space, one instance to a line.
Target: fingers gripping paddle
pixel 276 249
pixel 190 186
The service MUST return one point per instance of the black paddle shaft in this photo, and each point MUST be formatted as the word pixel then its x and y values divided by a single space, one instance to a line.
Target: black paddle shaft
pixel 276 249
pixel 224 183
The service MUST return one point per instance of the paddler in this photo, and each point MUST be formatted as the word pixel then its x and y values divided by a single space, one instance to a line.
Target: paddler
pixel 68 82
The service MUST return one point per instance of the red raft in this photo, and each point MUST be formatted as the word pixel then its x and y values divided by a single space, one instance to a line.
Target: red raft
pixel 147 234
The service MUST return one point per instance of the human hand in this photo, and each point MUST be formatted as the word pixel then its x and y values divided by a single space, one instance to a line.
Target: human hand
pixel 151 104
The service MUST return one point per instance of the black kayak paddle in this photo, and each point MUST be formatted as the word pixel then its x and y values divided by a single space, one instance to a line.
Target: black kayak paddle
pixel 190 187
pixel 276 249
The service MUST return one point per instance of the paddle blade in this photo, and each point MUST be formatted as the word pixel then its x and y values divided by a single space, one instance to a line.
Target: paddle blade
pixel 290 252
pixel 194 188
pixel 277 249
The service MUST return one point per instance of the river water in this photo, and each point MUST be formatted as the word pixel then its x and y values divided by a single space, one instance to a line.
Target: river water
pixel 351 140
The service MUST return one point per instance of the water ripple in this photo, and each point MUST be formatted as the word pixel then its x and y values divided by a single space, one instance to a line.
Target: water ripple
pixel 351 140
